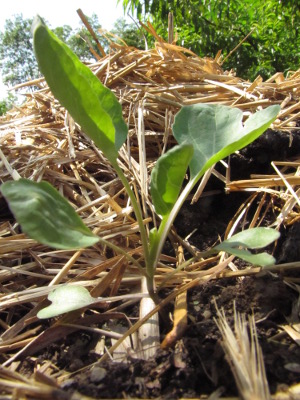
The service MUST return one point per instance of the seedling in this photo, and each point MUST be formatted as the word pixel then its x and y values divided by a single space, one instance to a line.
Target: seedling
pixel 205 134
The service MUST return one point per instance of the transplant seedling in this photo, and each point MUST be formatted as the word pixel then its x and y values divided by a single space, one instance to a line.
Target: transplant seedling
pixel 205 134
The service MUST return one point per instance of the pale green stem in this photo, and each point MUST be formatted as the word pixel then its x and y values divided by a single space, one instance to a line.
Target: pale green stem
pixel 166 225
pixel 144 238
pixel 137 211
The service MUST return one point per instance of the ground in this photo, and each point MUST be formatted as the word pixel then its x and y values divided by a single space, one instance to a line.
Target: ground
pixel 196 365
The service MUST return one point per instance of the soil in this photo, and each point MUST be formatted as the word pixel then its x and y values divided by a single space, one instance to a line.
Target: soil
pixel 196 365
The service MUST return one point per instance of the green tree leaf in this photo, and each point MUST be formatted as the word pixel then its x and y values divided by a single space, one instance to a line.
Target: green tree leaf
pixel 207 26
pixel 89 102
pixel 64 299
pixel 17 61
pixel 46 216
pixel 129 33
pixel 216 131
pixel 7 103
pixel 167 177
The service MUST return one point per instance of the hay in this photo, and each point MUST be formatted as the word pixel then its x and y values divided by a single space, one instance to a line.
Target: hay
pixel 39 140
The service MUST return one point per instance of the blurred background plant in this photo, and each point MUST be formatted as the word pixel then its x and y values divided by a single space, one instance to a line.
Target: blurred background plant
pixel 208 26
pixel 18 63
pixel 204 27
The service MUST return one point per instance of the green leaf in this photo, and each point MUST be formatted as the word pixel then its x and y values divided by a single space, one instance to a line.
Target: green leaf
pixel 89 102
pixel 167 177
pixel 255 238
pixel 46 216
pixel 216 131
pixel 261 259
pixel 207 128
pixel 153 237
pixel 64 299
pixel 258 122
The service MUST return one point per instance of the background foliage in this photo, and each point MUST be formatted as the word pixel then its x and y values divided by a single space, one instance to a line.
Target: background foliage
pixel 18 62
pixel 210 25
pixel 205 27
pixel 7 103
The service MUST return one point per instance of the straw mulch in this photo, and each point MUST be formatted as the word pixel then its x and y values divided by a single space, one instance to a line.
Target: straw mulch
pixel 40 141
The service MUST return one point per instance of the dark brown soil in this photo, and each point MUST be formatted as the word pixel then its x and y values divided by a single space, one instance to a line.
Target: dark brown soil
pixel 197 366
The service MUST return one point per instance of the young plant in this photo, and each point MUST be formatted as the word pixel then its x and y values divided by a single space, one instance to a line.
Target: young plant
pixel 205 134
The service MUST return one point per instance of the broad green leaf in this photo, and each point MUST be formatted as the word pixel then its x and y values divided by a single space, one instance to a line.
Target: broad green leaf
pixel 254 126
pixel 254 238
pixel 64 299
pixel 167 177
pixel 46 216
pixel 207 128
pixel 216 131
pixel 89 102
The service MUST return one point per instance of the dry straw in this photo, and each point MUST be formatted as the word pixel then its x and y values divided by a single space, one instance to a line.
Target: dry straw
pixel 244 356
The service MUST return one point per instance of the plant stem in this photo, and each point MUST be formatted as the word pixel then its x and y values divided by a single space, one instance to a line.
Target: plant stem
pixel 166 224
pixel 137 211
pixel 149 270
pixel 150 267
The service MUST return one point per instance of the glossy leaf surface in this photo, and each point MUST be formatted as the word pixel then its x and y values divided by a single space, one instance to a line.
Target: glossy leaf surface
pixel 64 299
pixel 216 131
pixel 89 102
pixel 167 177
pixel 46 216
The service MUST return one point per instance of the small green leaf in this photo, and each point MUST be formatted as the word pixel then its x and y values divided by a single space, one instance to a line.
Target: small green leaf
pixel 255 238
pixel 261 259
pixel 64 299
pixel 216 131
pixel 153 237
pixel 89 102
pixel 167 177
pixel 46 216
